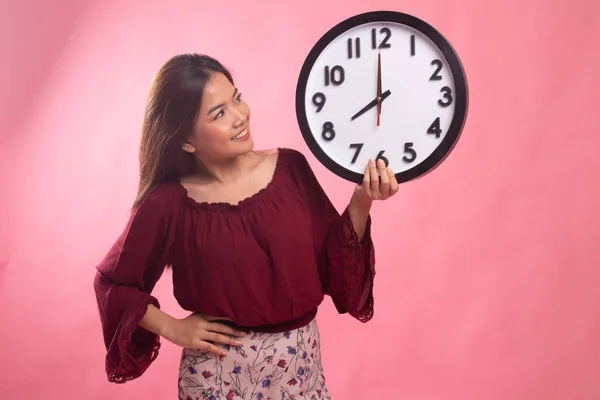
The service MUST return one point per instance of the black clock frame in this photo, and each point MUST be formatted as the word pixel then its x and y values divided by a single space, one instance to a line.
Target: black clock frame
pixel 460 95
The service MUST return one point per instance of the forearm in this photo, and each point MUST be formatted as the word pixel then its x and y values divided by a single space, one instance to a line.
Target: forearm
pixel 359 209
pixel 157 321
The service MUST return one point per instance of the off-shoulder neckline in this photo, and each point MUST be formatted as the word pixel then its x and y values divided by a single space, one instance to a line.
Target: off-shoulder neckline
pixel 242 204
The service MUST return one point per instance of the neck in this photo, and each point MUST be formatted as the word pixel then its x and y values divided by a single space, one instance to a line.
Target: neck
pixel 222 171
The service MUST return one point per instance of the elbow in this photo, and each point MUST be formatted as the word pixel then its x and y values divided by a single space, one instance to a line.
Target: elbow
pixel 102 286
pixel 99 283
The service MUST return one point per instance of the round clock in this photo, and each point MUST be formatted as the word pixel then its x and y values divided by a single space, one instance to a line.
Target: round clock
pixel 382 85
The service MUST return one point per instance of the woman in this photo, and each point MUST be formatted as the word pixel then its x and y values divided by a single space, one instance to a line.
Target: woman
pixel 253 241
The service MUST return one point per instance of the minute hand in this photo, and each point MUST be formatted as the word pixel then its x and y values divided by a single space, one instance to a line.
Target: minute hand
pixel 372 104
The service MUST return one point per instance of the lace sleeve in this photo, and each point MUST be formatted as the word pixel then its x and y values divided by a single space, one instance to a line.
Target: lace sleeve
pixel 347 268
pixel 123 284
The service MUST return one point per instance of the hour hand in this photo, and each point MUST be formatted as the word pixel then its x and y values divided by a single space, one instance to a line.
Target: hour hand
pixel 372 104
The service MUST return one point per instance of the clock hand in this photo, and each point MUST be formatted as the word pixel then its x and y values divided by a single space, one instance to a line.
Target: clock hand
pixel 379 86
pixel 372 104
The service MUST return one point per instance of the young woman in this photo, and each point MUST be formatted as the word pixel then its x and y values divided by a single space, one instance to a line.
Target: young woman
pixel 253 242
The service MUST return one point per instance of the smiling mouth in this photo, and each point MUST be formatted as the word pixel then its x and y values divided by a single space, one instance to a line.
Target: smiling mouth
pixel 242 135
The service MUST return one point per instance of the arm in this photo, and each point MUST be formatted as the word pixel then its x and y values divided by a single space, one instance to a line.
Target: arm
pixel 345 259
pixel 132 321
pixel 343 243
pixel 123 284
pixel 359 210
pixel 157 321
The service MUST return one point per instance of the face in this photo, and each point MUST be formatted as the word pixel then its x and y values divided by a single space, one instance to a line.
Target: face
pixel 222 129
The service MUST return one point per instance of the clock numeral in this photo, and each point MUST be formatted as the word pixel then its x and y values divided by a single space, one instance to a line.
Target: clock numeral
pixel 358 147
pixel 328 132
pixel 411 154
pixel 434 128
pixel 381 157
pixel 336 75
pixel 447 96
pixel 412 45
pixel 319 100
pixel 353 47
pixel 387 34
pixel 436 76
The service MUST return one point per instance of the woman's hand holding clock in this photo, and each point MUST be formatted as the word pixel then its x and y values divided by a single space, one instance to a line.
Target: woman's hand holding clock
pixel 379 182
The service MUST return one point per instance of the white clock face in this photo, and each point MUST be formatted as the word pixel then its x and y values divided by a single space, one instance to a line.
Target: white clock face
pixel 417 94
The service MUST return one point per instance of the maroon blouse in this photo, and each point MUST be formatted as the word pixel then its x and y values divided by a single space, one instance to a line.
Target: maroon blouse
pixel 264 263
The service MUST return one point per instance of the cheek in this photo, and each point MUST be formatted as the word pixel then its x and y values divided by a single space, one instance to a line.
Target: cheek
pixel 221 134
pixel 211 135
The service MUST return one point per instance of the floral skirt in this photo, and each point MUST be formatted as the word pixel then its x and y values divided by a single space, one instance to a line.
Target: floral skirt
pixel 269 366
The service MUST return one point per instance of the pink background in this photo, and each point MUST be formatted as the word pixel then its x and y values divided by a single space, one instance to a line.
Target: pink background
pixel 488 268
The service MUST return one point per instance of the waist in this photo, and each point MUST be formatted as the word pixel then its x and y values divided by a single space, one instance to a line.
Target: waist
pixel 275 328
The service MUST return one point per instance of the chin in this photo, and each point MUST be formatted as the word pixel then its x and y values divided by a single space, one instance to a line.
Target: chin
pixel 243 147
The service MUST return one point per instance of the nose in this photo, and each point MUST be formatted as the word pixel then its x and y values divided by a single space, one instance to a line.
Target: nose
pixel 240 118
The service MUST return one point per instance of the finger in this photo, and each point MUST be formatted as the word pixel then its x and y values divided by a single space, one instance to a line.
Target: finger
pixel 222 328
pixel 205 346
pixel 384 187
pixel 393 182
pixel 218 338
pixel 374 177
pixel 366 185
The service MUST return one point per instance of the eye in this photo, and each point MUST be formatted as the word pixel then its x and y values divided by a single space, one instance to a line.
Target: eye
pixel 239 98
pixel 219 114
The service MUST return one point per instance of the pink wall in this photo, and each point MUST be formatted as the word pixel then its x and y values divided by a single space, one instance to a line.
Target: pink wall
pixel 488 268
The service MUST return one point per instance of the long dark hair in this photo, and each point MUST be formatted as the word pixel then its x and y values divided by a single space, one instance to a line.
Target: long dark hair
pixel 171 111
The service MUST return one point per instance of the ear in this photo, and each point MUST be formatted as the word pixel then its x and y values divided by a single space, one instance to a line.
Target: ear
pixel 188 146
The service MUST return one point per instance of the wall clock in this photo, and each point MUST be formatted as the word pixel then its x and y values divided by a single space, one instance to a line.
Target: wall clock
pixel 383 85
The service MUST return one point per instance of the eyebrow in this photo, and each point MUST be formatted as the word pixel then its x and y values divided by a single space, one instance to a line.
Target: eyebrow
pixel 213 109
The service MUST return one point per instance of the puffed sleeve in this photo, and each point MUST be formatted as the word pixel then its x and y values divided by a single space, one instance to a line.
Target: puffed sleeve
pixel 124 280
pixel 346 264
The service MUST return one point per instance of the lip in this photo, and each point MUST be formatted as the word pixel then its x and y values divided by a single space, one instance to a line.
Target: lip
pixel 246 135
